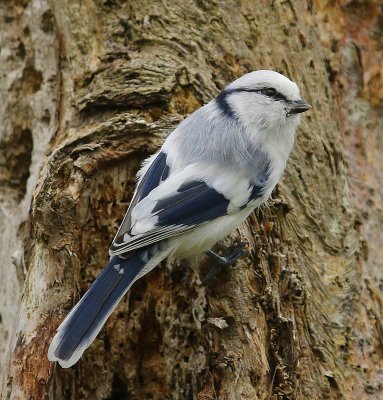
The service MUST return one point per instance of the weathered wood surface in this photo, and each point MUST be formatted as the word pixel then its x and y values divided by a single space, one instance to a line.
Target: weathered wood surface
pixel 90 88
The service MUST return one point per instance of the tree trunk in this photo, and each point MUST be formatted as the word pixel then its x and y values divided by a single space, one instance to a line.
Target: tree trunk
pixel 88 90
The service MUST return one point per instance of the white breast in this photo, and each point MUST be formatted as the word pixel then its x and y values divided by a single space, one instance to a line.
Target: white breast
pixel 205 236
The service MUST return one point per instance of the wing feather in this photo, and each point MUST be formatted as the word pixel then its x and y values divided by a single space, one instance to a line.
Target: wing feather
pixel 179 212
pixel 154 172
pixel 185 200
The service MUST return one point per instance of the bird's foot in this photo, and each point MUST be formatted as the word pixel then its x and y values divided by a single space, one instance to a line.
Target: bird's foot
pixel 223 261
pixel 229 258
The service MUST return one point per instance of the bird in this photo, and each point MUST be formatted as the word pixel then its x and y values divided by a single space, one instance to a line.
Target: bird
pixel 212 171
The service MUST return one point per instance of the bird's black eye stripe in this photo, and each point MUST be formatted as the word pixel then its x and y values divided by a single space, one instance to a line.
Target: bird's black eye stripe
pixel 266 91
pixel 224 105
pixel 273 93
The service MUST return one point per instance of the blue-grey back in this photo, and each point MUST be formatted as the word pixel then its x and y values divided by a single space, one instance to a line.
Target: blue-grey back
pixel 212 136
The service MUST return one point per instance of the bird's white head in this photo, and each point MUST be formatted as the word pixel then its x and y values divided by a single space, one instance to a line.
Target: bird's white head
pixel 264 100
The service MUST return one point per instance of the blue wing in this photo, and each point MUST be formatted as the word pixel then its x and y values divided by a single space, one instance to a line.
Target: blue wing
pixel 168 203
pixel 157 172
pixel 181 203
pixel 193 204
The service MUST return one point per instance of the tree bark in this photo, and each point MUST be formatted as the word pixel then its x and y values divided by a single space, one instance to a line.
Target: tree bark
pixel 88 90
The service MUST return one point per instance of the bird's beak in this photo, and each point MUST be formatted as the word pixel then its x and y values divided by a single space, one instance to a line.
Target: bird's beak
pixel 297 107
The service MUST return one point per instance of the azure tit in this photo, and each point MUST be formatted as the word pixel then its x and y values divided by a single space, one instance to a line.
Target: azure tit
pixel 213 170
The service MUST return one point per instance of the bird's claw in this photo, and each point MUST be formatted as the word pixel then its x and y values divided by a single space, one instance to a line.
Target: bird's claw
pixel 223 261
pixel 229 258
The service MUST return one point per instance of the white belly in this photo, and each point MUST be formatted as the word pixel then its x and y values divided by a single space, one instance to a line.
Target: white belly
pixel 205 236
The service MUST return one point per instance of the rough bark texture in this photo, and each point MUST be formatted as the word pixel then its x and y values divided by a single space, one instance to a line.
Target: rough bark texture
pixel 88 89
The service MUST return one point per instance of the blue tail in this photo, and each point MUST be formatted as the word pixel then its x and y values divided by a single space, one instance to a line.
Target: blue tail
pixel 86 319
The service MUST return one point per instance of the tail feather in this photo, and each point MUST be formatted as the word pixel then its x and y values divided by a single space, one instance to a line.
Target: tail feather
pixel 84 322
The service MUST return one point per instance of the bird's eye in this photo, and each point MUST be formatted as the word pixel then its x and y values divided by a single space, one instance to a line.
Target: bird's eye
pixel 270 92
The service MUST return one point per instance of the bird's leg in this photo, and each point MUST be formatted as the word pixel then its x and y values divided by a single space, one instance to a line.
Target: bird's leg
pixel 229 258
pixel 222 261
